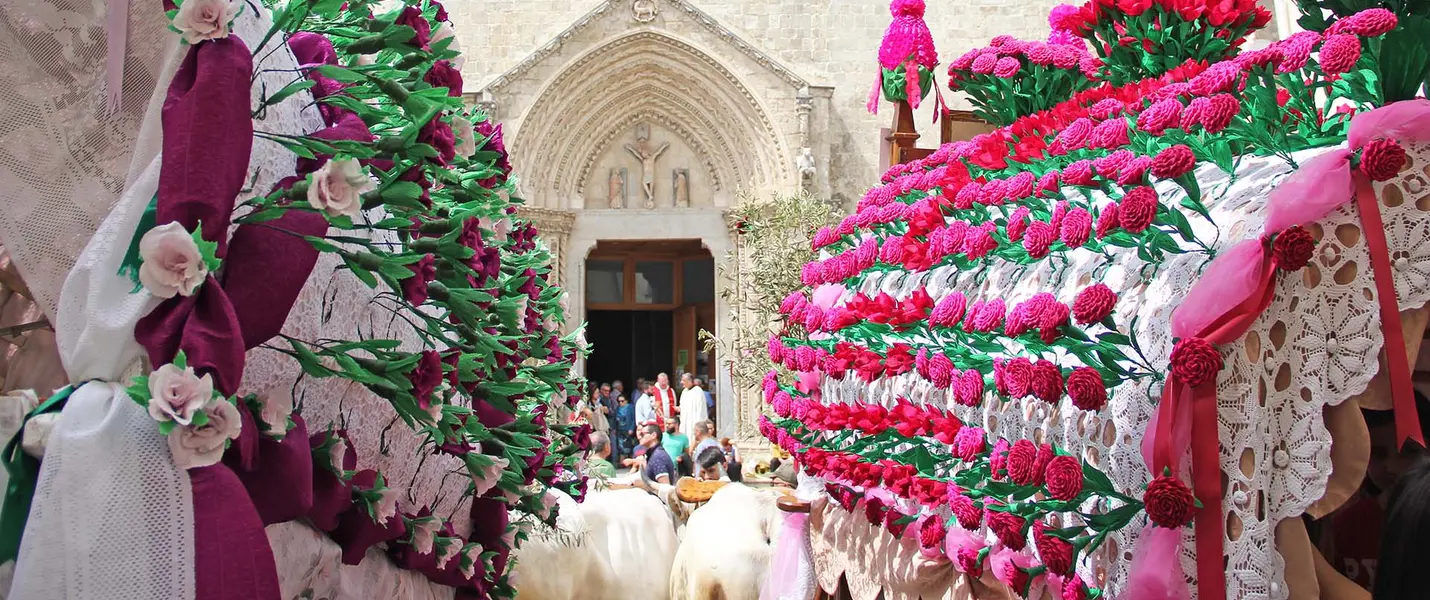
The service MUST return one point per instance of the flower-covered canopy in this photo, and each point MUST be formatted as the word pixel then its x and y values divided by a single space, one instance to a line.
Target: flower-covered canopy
pixel 1024 348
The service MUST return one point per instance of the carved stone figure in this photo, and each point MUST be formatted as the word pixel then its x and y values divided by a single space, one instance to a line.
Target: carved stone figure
pixel 682 188
pixel 647 157
pixel 805 165
pixel 617 192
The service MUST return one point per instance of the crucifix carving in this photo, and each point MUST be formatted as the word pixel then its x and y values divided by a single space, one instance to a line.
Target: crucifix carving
pixel 641 150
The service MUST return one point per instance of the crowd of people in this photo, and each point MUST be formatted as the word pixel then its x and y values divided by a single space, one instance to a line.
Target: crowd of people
pixel 662 434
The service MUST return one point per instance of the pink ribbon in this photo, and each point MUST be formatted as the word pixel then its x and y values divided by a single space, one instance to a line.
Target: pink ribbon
pixel 1233 292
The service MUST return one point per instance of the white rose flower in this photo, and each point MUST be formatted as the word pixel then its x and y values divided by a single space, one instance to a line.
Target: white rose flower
pixel 176 394
pixel 466 137
pixel 445 31
pixel 37 434
pixel 474 558
pixel 277 407
pixel 386 506
pixel 200 20
pixel 424 534
pixel 202 446
pixel 14 406
pixel 337 187
pixel 489 475
pixel 336 452
pixel 581 342
pixel 447 552
pixel 549 502
pixel 172 261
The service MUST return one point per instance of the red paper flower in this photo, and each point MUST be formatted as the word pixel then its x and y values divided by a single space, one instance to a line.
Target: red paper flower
pixel 998 459
pixel 968 513
pixel 1137 209
pixel 1339 53
pixel 970 561
pixel 892 522
pixel 1109 166
pixel 1168 502
pixel 1021 460
pixel 1011 529
pixel 1195 361
pixel 1047 381
pixel 932 532
pixel 1017 377
pixel 970 388
pixel 1134 172
pixel 1108 220
pixel 1076 134
pixel 1055 552
pixel 969 443
pixel 1064 478
pixel 1220 111
pixel 1173 161
pixel 873 511
pixel 1086 389
pixel 1382 158
pixel 1293 248
pixel 414 288
pixel 1093 304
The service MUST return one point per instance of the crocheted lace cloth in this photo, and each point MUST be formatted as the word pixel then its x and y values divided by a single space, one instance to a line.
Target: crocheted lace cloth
pixel 1316 345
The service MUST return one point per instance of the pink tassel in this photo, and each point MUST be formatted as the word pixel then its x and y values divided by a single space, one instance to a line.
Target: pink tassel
pixel 1156 572
pixel 912 89
pixel 873 105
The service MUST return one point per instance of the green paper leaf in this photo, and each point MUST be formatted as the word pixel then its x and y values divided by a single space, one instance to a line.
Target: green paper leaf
pixel 208 250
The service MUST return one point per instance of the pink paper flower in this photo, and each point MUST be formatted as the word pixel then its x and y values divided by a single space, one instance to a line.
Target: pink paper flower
pixel 985 63
pixel 1018 223
pixel 1371 22
pixel 1078 173
pixel 1107 221
pixel 1075 134
pixel 203 445
pixel 1077 228
pixel 1109 166
pixel 1134 172
pixel 177 394
pixel 1109 134
pixel 172 263
pixel 1039 239
pixel 1007 67
pixel 1159 116
pixel 424 534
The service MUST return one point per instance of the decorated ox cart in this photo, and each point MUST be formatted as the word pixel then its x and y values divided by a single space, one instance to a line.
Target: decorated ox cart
pixel 1120 346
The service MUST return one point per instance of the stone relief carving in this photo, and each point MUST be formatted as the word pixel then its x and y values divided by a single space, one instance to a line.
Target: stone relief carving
pixel 644 10
pixel 680 182
pixel 641 150
pixel 513 74
pixel 719 141
pixel 805 165
pixel 617 193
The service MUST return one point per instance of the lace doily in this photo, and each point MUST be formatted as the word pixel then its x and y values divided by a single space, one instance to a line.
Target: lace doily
pixel 1316 345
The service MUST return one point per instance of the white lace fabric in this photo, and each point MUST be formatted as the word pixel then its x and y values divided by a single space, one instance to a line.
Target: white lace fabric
pixel 112 516
pixel 1316 345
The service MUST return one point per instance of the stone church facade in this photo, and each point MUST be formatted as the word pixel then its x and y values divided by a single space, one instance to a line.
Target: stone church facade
pixel 647 119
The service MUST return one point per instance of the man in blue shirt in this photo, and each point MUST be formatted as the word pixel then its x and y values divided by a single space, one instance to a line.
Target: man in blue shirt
pixel 709 399
pixel 657 467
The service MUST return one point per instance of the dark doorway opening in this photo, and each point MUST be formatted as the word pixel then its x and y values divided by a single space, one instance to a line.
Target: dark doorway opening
pixel 627 344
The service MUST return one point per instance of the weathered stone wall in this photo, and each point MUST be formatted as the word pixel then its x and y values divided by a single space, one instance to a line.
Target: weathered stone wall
pixel 828 43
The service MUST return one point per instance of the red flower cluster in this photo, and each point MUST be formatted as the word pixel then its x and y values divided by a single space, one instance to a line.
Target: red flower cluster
pixel 1195 361
pixel 1168 502
pixel 1293 248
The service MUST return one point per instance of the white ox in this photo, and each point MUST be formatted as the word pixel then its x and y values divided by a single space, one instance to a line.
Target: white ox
pixel 725 552
pixel 626 555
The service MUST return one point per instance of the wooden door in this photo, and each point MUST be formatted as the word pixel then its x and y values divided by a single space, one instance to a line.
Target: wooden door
pixel 685 339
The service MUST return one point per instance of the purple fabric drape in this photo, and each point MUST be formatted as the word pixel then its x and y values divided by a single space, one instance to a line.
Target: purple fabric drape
pixel 357 531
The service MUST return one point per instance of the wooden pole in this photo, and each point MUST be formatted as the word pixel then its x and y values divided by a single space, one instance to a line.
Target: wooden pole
pixel 903 135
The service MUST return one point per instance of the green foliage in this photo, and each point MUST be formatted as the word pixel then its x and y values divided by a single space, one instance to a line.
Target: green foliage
pixel 773 244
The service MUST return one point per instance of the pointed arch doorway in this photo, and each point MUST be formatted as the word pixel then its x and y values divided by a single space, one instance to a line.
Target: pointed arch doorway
pixel 646 301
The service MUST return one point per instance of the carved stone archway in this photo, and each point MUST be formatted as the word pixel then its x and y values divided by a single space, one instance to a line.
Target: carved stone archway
pixel 647 76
